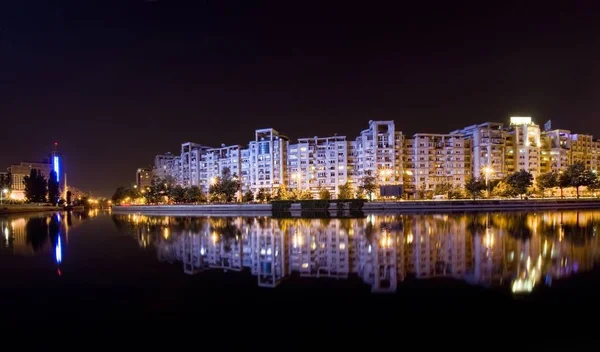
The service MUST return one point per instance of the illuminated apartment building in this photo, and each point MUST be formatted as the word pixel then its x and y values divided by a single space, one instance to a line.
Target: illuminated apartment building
pixel 582 150
pixel 143 178
pixel 267 160
pixel 556 151
pixel 434 159
pixel 167 165
pixel 215 160
pixel 318 163
pixel 523 146
pixel 487 141
pixel 377 152
pixel 191 153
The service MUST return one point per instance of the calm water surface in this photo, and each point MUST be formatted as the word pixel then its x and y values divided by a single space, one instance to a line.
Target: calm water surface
pixel 142 262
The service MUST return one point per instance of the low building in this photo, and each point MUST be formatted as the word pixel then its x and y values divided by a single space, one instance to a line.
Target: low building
pixel 143 178
pixel 23 169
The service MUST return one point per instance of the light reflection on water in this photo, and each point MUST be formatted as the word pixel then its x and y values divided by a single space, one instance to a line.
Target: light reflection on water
pixel 516 250
pixel 25 235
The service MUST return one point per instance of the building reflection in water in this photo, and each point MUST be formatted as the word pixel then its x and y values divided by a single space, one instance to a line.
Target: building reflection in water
pixel 519 250
pixel 38 234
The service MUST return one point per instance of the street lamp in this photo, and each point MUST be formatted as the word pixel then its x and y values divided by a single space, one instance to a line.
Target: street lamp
pixel 3 194
pixel 488 171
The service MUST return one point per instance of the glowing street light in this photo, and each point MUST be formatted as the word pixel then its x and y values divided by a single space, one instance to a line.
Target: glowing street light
pixel 488 171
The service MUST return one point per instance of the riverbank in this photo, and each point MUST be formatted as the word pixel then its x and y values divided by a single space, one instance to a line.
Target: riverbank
pixel 370 207
pixel 27 208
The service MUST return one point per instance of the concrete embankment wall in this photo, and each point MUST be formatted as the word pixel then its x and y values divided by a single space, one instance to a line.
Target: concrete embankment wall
pixel 201 209
pixel 12 209
pixel 479 205
pixel 369 207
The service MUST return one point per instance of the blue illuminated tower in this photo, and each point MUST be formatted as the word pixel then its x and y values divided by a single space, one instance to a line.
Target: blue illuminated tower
pixel 56 159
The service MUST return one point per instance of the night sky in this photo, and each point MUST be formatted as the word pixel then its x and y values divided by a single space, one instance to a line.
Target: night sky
pixel 117 82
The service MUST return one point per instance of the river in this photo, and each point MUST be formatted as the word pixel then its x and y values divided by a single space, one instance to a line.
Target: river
pixel 97 263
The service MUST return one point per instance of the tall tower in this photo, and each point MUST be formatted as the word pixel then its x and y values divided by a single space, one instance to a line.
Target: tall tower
pixel 56 165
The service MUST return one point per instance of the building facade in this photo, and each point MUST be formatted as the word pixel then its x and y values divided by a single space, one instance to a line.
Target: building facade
pixel 436 159
pixel 318 163
pixel 143 178
pixel 490 151
pixel 267 158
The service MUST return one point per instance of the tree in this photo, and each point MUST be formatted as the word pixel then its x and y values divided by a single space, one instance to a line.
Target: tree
pixel 502 189
pixel 53 188
pixel 456 193
pixel 282 193
pixel 547 180
pixel 193 195
pixel 345 191
pixel 442 189
pixel 261 195
pixel 248 196
pixel 5 181
pixel 564 181
pixel 69 197
pixel 225 187
pixel 35 187
pixel 119 195
pixel 594 187
pixel 474 187
pixel 177 194
pixel 578 176
pixel 159 188
pixel 324 194
pixel 301 194
pixel 520 181
pixel 369 186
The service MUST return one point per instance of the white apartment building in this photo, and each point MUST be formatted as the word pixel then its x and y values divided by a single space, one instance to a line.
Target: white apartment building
pixel 267 160
pixel 488 146
pixel 434 159
pixel 556 152
pixel 523 146
pixel 318 163
pixel 377 152
pixel 166 165
pixel 583 151
pixel 191 154
pixel 215 160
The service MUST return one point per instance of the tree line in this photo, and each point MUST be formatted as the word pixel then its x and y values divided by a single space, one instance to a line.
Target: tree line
pixel 40 190
pixel 227 188
pixel 520 183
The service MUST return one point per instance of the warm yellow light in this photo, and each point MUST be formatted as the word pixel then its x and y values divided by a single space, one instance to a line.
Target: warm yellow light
pixel 213 180
pixel 166 233
pixel 342 246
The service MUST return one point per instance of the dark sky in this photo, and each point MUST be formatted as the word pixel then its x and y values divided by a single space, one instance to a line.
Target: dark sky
pixel 116 82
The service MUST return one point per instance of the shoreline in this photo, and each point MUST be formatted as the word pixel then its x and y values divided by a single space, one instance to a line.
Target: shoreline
pixel 23 209
pixel 369 207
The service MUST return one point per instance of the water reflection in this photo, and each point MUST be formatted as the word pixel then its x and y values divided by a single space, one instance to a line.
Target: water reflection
pixel 32 234
pixel 518 250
